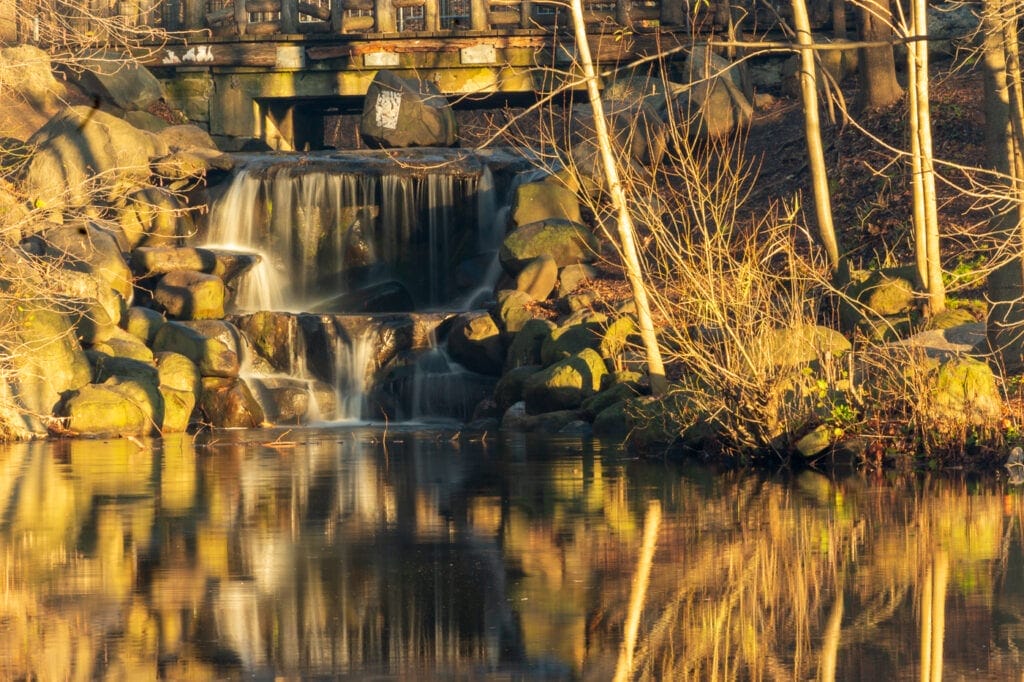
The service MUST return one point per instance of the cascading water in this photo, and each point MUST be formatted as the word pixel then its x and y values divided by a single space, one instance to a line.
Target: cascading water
pixel 368 233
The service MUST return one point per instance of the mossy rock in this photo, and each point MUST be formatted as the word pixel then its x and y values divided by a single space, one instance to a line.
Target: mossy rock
pixel 475 342
pixel 565 241
pixel 118 407
pixel 565 384
pixel 509 390
pixel 616 393
pixel 178 409
pixel 878 294
pixel 525 348
pixel 570 339
pixel 175 371
pixel 230 403
pixel 966 393
pixel 538 201
pixel 512 312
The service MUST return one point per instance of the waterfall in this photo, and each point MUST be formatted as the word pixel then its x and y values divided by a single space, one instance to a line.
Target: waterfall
pixel 351 360
pixel 331 227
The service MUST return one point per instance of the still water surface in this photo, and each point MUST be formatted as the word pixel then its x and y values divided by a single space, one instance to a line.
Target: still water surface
pixel 358 553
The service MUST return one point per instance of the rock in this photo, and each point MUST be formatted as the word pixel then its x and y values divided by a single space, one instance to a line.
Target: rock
pixel 815 441
pixel 82 246
pixel 185 165
pixel 570 339
pixel 567 243
pixel 637 128
pixel 46 359
pixel 965 393
pixel 538 278
pixel 512 311
pixel 149 261
pixel 406 113
pixel 535 202
pixel 549 422
pixel 474 341
pixel 83 154
pixel 177 372
pixel 116 408
pixel 143 120
pixel 525 348
pixel 285 400
pixel 509 390
pixel 178 409
pixel 126 84
pixel 565 384
pixel 275 336
pixel 213 347
pixel 229 404
pixel 188 295
pixel 804 343
pixel 877 294
pixel 613 421
pixel 187 137
pixel 617 393
pixel 143 323
pixel 123 345
pixel 28 75
pixel 572 276
pixel 716 103
pixel 153 216
pixel 107 366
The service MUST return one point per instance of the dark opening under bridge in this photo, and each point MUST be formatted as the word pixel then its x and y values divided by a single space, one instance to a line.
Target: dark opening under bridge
pixel 268 69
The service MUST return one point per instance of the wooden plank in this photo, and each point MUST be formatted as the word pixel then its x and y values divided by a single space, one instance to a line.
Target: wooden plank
pixel 316 11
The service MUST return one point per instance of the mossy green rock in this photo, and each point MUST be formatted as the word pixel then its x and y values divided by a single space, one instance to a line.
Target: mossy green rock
pixel 118 407
pixel 189 295
pixel 566 242
pixel 966 392
pixel 538 278
pixel 107 366
pixel 208 350
pixel 548 422
pixel 879 294
pixel 525 348
pixel 570 339
pixel 616 393
pixel 616 337
pixel 794 346
pixel 509 389
pixel 538 201
pixel 46 358
pixel 175 371
pixel 613 421
pixel 565 384
pixel 143 323
pixel 512 312
pixel 178 409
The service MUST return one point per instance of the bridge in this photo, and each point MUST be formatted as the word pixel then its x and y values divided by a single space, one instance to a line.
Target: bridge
pixel 270 69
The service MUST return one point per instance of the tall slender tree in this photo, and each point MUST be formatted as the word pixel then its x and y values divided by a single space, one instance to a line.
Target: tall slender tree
pixel 877 65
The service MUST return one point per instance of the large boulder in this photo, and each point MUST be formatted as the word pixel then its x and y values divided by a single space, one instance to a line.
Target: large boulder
pixel 83 246
pixel 27 75
pixel 543 200
pixel 565 384
pixel 46 358
pixel 566 242
pixel 230 403
pixel 525 348
pixel 637 130
pixel 965 393
pixel 189 295
pixel 717 101
pixel 213 346
pixel 125 84
pixel 118 407
pixel 475 342
pixel 406 113
pixel 153 216
pixel 83 154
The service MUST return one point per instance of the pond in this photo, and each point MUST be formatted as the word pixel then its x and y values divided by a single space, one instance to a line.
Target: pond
pixel 414 553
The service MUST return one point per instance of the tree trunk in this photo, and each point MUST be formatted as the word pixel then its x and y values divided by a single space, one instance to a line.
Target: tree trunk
pixel 1002 155
pixel 812 127
pixel 926 219
pixel 627 238
pixel 877 66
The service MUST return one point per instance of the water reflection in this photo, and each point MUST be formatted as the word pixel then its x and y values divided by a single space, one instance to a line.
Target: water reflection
pixel 424 555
